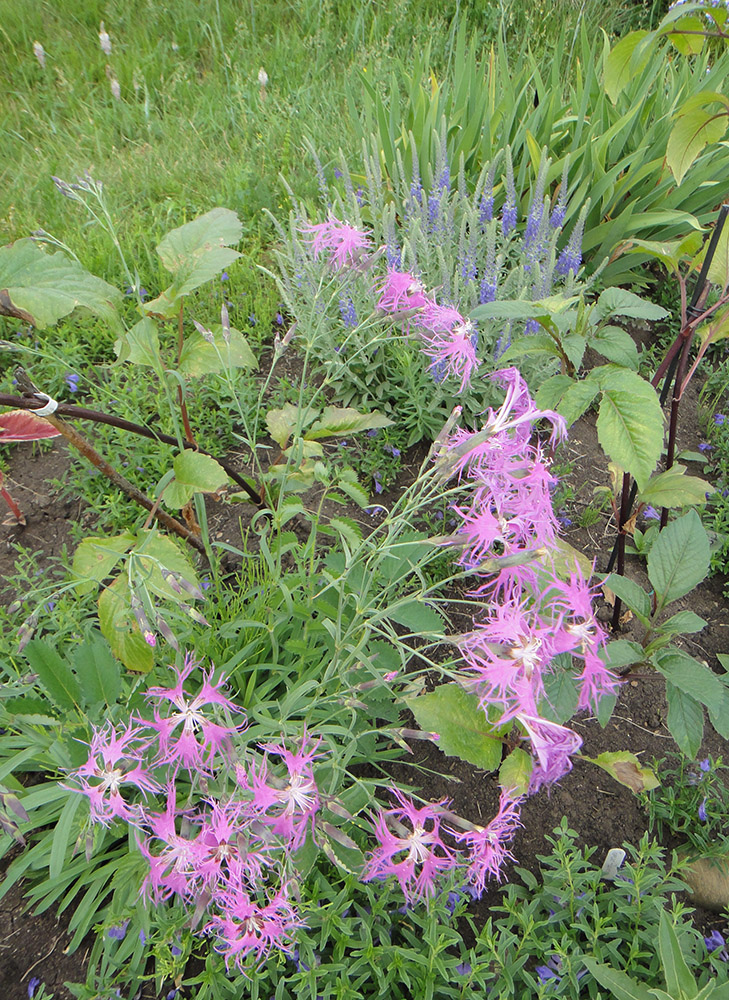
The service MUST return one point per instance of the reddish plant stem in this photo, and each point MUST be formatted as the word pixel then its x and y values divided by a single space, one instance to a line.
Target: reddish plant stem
pixel 624 512
pixel 183 408
pixel 31 402
pixel 675 404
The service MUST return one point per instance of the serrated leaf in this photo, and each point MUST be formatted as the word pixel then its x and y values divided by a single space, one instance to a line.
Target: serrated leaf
pixel 617 346
pixel 679 558
pixel 119 627
pixel 691 677
pixel 201 357
pixel 621 302
pixel 464 730
pixel 694 129
pixel 622 653
pixel 577 399
pixel 629 422
pixel 23 425
pixel 54 674
pixel 417 617
pixel 355 492
pixel 515 772
pixel 195 253
pixel 685 720
pixel 194 473
pixel 337 421
pixel 673 488
pixel 95 558
pixel 551 392
pixel 625 60
pixel 683 623
pixel 348 529
pixel 626 768
pixel 630 593
pixel 97 671
pixel 140 345
pixel 41 288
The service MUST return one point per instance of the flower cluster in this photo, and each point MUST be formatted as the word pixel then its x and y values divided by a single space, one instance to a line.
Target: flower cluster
pixel 227 855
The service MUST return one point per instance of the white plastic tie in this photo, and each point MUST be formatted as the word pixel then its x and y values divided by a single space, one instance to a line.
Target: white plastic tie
pixel 50 407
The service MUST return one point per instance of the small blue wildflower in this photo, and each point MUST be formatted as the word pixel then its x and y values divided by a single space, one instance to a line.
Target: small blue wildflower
pixel 705 765
pixel 50 605
pixel 252 319
pixel 378 485
pixel 118 933
pixel 532 327
pixel 175 950
pixel 719 419
pixel 72 381
pixel 224 276
pixel 33 985
pixel 714 941
pixel 702 811
pixel 172 994
pixel 564 520
pixel 279 319
pixel 338 173
pixel 651 514
pixel 359 195
pixel 464 969
pixel 704 446
pixel 142 937
pixel 392 449
pixel 438 371
pixel 373 432
pixel 545 974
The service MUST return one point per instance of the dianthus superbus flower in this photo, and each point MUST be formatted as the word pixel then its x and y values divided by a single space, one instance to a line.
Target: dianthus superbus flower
pixel 414 853
pixel 343 243
pixel 553 746
pixel 250 924
pixel 487 846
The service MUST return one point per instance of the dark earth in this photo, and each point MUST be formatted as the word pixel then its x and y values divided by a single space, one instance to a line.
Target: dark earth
pixel 603 812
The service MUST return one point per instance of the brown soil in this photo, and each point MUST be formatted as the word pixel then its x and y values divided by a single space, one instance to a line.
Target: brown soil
pixel 604 813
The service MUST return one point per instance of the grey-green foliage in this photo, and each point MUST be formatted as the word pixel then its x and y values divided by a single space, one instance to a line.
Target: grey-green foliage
pixel 677 562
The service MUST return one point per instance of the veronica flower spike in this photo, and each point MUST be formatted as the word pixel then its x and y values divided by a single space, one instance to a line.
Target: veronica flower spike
pixel 344 244
pixel 189 736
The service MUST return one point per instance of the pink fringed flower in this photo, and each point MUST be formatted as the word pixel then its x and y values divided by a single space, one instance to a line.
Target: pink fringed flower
pixel 416 856
pixel 449 340
pixel 115 760
pixel 401 291
pixel 343 243
pixel 487 846
pixel 248 925
pixel 287 805
pixel 199 738
pixel 553 745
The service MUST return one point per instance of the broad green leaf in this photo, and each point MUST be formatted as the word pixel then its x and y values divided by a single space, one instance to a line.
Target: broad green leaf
pixel 716 329
pixel 691 43
pixel 674 488
pixel 679 558
pixel 679 980
pixel 621 986
pixel 621 302
pixel 718 272
pixel 550 393
pixel 41 288
pixel 622 653
pixel 62 835
pixel 416 616
pixel 694 129
pixel 195 253
pixel 201 357
pixel 119 627
pixel 630 593
pixel 626 768
pixel 97 671
pixel 95 558
pixel 515 772
pixel 617 346
pixel 194 473
pixel 560 691
pixel 691 677
pixel 140 345
pixel 464 730
pixel 683 623
pixel 668 253
pixel 533 345
pixel 626 59
pixel 54 674
pixel 336 421
pixel 157 551
pixel 577 399
pixel 685 720
pixel 282 423
pixel 630 421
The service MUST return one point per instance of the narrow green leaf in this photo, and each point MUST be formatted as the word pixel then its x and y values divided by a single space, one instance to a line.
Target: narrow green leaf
pixel 621 986
pixel 685 720
pixel 683 623
pixel 679 980
pixel 621 302
pixel 416 616
pixel 679 558
pixel 54 674
pixel 336 421
pixel 626 59
pixel 62 834
pixel 464 730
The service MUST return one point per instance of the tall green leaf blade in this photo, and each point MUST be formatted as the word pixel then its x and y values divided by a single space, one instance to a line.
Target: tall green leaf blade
pixel 685 720
pixel 621 986
pixel 464 730
pixel 679 980
pixel 54 674
pixel 630 421
pixel 62 834
pixel 679 558
pixel 41 288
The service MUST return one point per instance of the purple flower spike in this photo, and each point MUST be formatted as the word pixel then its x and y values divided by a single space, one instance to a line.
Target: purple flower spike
pixel 33 985
pixel 702 811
